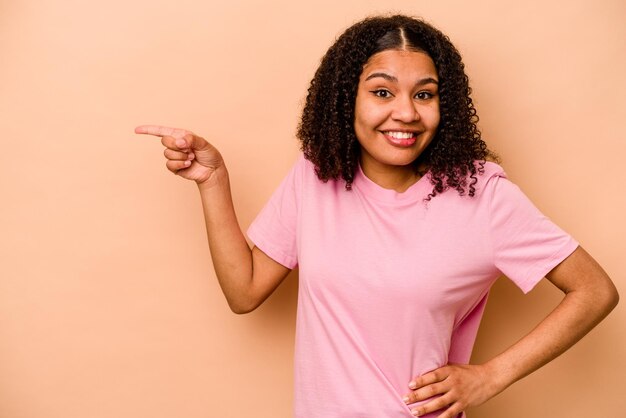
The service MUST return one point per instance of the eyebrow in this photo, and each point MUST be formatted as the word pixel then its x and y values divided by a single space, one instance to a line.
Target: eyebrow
pixel 427 80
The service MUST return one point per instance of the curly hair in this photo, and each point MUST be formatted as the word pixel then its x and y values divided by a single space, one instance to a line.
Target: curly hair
pixel 326 128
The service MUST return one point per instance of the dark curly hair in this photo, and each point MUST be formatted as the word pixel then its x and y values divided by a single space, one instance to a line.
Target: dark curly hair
pixel 326 128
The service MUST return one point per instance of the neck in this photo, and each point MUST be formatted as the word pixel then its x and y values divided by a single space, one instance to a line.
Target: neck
pixel 398 178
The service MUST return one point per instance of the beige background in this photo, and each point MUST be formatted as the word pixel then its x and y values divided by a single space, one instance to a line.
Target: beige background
pixel 108 302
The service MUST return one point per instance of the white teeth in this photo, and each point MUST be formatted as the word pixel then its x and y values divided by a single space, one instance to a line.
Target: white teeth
pixel 400 135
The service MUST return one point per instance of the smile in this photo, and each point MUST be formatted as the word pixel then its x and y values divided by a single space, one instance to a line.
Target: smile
pixel 400 139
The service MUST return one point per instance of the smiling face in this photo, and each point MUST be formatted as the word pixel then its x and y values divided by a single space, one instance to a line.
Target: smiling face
pixel 396 114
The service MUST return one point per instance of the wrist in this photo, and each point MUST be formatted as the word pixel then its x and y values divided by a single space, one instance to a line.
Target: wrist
pixel 498 376
pixel 217 177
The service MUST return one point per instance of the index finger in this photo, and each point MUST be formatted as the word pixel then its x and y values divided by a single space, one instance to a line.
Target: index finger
pixel 429 378
pixel 158 130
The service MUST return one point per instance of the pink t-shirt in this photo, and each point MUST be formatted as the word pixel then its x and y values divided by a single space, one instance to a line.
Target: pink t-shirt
pixel 391 286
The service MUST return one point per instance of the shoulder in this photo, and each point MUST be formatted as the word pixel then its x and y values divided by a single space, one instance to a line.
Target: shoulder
pixel 495 187
pixel 303 179
pixel 301 169
pixel 488 174
pixel 309 174
pixel 303 165
pixel 490 170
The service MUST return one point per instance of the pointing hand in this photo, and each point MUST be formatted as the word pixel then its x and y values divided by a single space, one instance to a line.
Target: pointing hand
pixel 188 155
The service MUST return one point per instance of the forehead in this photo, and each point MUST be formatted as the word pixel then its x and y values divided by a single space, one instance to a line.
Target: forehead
pixel 393 60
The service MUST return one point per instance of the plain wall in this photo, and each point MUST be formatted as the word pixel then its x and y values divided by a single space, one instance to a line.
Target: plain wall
pixel 109 306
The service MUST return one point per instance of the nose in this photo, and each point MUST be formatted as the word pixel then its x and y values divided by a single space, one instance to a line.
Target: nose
pixel 405 110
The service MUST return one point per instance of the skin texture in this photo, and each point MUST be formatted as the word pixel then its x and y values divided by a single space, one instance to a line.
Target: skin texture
pixel 325 128
pixel 589 297
pixel 247 276
pixel 397 92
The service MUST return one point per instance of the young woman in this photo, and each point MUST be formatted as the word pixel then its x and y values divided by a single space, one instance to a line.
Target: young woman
pixel 399 222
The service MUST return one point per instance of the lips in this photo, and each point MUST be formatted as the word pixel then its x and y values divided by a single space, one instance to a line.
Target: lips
pixel 400 138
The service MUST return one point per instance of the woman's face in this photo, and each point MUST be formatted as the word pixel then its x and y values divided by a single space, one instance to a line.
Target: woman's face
pixel 396 109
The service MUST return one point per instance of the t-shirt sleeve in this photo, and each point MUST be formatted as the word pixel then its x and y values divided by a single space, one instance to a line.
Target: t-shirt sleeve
pixel 274 229
pixel 526 244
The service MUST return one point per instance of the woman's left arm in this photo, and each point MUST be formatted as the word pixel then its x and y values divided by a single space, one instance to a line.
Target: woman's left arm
pixel 589 297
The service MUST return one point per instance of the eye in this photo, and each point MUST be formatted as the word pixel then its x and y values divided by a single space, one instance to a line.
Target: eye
pixel 424 95
pixel 382 93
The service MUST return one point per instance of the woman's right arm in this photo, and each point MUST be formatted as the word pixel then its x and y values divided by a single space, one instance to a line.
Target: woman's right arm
pixel 247 276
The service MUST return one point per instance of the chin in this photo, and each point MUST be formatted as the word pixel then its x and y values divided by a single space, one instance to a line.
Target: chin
pixel 404 159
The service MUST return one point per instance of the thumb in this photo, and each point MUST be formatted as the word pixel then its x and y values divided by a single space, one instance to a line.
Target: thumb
pixel 195 142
